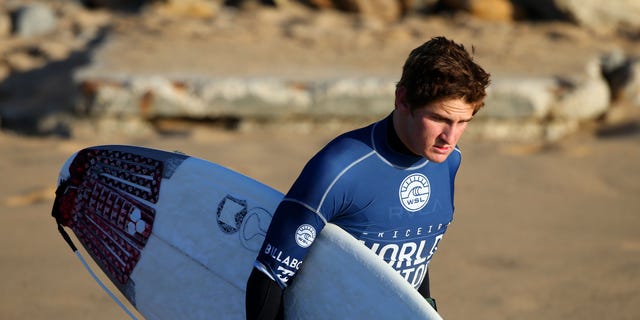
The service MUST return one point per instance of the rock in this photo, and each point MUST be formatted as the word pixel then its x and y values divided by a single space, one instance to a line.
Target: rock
pixel 631 91
pixel 204 9
pixel 418 6
pixel 385 10
pixel 506 130
pixel 583 97
pixel 593 14
pixel 142 97
pixel 156 97
pixel 113 4
pixel 53 124
pixel 54 50
pixel 519 98
pixel 5 24
pixel 87 19
pixel 613 60
pixel 164 97
pixel 22 61
pixel 493 10
pixel 34 19
pixel 623 75
pixel 261 97
pixel 111 128
pixel 598 16
pixel 541 9
pixel 621 117
pixel 322 26
pixel 368 97
pixel 322 4
pixel 107 99
pixel 556 130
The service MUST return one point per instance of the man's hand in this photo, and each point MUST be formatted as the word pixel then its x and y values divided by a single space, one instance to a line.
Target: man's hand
pixel 432 302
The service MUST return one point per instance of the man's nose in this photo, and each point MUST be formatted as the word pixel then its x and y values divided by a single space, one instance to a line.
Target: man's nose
pixel 447 133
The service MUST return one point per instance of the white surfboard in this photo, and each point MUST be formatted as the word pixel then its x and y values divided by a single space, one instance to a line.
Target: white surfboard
pixel 178 236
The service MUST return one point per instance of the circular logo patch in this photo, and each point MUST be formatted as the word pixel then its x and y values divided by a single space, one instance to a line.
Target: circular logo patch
pixel 414 192
pixel 305 235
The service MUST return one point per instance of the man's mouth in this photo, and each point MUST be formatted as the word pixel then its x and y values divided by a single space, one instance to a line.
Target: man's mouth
pixel 441 149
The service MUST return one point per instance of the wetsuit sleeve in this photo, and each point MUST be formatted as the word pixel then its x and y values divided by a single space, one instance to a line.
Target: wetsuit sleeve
pixel 296 223
pixel 263 298
pixel 293 229
pixel 300 217
pixel 291 232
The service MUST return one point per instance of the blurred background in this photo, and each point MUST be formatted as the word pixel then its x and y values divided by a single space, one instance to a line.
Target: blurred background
pixel 547 218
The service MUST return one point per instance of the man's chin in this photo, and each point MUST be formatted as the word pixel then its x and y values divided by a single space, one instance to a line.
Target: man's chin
pixel 437 157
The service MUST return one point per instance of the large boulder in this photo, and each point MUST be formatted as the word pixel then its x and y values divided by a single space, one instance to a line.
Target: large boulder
pixel 593 14
pixel 596 15
pixel 584 96
pixel 493 10
pixel 384 10
pixel 412 6
pixel 204 9
pixel 620 71
pixel 519 98
pixel 34 19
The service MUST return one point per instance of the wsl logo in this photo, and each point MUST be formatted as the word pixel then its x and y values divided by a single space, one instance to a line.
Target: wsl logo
pixel 305 235
pixel 414 192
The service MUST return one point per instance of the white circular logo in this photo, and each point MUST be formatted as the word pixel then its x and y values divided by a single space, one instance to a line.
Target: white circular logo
pixel 414 192
pixel 305 235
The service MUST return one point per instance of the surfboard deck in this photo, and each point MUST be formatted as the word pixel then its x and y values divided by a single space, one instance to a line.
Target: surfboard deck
pixel 178 235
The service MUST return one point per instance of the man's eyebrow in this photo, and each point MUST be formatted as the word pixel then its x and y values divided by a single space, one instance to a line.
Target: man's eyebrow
pixel 444 117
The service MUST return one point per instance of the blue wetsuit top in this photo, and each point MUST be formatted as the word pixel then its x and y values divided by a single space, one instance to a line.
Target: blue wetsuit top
pixel 398 205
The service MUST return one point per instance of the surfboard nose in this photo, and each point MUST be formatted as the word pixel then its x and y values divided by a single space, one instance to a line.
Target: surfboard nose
pixel 106 195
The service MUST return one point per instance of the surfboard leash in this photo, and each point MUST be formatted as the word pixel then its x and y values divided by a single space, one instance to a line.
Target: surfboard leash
pixel 57 214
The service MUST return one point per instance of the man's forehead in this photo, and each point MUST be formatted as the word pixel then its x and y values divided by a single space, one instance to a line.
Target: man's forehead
pixel 449 107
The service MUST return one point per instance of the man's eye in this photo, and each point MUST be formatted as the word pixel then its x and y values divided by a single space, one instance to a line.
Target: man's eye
pixel 439 119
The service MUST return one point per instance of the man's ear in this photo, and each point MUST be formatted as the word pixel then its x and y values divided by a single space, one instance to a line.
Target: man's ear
pixel 401 99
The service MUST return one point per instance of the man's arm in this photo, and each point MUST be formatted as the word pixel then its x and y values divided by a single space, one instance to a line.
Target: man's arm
pixel 263 298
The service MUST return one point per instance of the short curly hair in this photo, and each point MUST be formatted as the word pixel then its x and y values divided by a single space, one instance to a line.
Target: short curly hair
pixel 442 69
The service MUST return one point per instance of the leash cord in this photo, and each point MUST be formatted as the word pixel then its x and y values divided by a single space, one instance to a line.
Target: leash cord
pixel 66 237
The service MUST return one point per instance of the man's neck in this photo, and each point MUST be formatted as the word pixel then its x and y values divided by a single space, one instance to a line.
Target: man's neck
pixel 394 140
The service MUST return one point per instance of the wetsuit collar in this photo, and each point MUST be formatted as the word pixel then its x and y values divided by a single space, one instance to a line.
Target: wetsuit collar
pixel 391 148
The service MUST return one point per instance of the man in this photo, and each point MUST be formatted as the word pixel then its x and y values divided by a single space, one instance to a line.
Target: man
pixel 389 184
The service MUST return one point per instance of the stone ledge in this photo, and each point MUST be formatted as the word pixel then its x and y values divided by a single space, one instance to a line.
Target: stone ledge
pixel 517 108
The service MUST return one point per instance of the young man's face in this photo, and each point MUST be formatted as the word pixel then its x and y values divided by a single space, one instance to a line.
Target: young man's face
pixel 432 131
